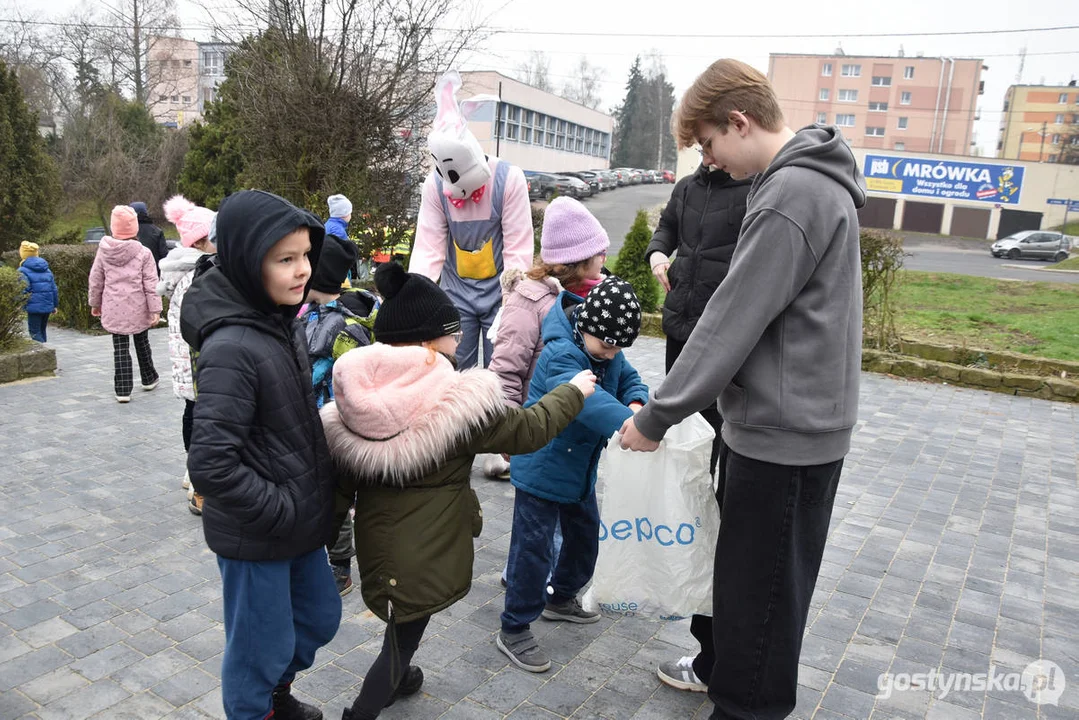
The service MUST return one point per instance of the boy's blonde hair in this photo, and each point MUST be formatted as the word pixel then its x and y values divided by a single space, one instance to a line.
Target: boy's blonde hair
pixel 725 87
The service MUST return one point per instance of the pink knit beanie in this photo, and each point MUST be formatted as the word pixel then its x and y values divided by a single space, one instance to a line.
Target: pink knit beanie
pixel 124 223
pixel 570 233
pixel 192 221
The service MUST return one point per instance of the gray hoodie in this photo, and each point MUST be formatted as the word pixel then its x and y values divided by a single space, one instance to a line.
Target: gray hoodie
pixel 780 342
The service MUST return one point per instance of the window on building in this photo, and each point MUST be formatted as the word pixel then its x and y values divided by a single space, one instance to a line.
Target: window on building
pixel 1052 158
pixel 904 98
pixel 1056 138
pixel 908 72
pixel 822 118
pixel 848 96
pixel 844 120
pixel 825 93
pixel 162 98
pixel 526 134
pixel 187 99
pixel 878 107
pixel 175 63
pixel 174 99
pixel 851 71
pixel 881 81
pixel 875 131
pixel 1063 99
pixel 900 146
pixel 207 95
pixel 902 124
pixel 187 63
pixel 826 70
pixel 1060 119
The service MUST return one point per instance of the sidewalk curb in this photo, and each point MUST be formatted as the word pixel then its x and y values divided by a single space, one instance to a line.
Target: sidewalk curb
pixel 1044 269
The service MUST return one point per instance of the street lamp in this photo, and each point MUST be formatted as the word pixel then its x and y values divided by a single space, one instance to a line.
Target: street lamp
pixel 1042 132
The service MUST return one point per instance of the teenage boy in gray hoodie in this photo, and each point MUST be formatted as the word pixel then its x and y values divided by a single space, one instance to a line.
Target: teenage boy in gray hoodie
pixel 780 345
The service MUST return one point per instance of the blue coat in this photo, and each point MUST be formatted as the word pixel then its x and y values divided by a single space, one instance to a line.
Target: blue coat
pixel 565 470
pixel 338 227
pixel 41 286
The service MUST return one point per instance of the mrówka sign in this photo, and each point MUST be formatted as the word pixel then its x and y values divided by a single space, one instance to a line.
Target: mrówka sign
pixel 948 179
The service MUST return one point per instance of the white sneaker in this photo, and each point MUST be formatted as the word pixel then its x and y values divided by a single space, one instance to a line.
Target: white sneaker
pixel 187 481
pixel 123 398
pixel 152 385
pixel 680 675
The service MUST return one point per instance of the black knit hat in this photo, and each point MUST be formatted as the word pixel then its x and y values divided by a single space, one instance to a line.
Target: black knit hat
pixel 414 309
pixel 337 258
pixel 611 312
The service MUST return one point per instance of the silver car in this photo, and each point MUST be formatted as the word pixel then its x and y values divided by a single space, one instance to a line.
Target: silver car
pixel 1033 245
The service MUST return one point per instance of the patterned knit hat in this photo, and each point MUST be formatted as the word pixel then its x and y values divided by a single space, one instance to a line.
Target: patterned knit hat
pixel 611 313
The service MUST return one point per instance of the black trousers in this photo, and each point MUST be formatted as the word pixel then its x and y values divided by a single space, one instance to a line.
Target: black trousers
pixel 123 375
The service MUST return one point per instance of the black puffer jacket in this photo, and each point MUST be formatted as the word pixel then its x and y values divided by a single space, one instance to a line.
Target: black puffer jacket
pixel 151 236
pixel 701 221
pixel 258 453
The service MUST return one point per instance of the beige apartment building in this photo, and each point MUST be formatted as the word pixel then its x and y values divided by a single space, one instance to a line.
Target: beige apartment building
pixel 1037 121
pixel 535 130
pixel 915 104
pixel 183 76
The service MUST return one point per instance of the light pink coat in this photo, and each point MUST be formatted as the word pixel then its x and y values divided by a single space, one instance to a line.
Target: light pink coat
pixel 123 283
pixel 520 336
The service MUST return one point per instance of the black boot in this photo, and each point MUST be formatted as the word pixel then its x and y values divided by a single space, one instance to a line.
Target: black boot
pixel 286 707
pixel 410 684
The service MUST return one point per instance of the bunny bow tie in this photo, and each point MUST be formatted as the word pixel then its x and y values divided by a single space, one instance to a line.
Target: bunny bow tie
pixel 476 197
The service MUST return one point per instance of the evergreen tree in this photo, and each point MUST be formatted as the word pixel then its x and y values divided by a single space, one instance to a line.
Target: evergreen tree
pixel 29 185
pixel 632 266
pixel 627 128
pixel 642 137
pixel 214 161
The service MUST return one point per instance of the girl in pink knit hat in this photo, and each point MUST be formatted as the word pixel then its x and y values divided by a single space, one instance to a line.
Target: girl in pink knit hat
pixel 123 283
pixel 404 429
pixel 177 271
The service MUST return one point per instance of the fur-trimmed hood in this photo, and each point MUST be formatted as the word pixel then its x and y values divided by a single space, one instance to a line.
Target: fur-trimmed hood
pixel 400 411
pixel 174 266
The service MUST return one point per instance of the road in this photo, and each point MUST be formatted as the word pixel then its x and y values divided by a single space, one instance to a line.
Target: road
pixel 615 209
pixel 934 257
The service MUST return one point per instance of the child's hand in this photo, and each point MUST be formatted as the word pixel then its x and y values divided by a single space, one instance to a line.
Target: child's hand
pixel 585 381
pixel 96 312
pixel 635 407
pixel 155 320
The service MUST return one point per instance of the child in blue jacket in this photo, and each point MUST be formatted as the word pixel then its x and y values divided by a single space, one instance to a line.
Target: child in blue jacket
pixel 558 483
pixel 41 287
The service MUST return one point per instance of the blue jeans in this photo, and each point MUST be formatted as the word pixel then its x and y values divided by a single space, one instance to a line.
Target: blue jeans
pixel 473 327
pixel 531 553
pixel 556 549
pixel 277 614
pixel 37 323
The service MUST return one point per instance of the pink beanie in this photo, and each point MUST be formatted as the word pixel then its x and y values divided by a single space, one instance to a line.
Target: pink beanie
pixel 570 233
pixel 192 221
pixel 124 223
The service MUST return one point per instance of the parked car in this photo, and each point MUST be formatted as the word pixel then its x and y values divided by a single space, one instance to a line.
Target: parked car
pixel 621 178
pixel 532 194
pixel 633 177
pixel 608 179
pixel 94 235
pixel 1033 244
pixel 668 176
pixel 545 185
pixel 581 189
pixel 589 178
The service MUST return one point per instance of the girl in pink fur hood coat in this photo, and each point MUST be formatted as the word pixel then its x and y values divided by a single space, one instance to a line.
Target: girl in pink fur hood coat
pixel 404 429
pixel 123 293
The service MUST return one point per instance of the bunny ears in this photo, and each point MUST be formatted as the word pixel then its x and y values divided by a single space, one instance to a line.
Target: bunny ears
pixel 448 117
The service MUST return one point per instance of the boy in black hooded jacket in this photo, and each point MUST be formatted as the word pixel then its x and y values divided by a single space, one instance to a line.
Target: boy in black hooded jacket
pixel 258 454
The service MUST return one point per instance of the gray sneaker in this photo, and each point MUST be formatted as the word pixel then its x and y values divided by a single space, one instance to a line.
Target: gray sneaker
pixel 570 611
pixel 523 651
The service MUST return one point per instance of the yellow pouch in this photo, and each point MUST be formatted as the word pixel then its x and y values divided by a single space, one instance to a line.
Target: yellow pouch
pixel 476 264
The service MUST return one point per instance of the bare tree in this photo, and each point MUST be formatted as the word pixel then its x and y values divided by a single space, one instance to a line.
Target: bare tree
pixel 536 71
pixel 129 45
pixel 585 87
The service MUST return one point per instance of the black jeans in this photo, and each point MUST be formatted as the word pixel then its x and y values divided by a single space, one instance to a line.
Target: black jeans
pixel 123 376
pixel 774 523
pixel 188 422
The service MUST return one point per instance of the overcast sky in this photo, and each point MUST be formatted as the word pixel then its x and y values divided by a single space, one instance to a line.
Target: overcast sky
pixel 1052 57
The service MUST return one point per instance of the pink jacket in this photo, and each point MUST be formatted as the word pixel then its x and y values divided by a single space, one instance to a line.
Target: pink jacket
pixel 429 251
pixel 520 340
pixel 123 283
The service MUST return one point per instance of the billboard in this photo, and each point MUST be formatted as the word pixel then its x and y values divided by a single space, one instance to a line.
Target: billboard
pixel 945 179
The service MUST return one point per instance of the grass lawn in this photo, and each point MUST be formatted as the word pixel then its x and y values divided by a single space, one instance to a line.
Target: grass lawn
pixel 1071 263
pixel 1034 318
pixel 82 217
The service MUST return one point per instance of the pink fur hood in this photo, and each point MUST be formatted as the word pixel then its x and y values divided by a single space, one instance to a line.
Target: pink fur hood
pixel 400 411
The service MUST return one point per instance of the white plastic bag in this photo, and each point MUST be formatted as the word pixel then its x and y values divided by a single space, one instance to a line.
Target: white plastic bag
pixel 659 521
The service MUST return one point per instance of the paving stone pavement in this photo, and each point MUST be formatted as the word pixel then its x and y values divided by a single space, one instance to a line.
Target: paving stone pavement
pixel 954 547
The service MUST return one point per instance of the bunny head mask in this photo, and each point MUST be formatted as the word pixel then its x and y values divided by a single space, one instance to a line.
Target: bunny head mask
pixel 459 159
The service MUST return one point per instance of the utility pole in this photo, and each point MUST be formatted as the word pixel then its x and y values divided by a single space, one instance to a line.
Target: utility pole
pixel 1041 150
pixel 498 122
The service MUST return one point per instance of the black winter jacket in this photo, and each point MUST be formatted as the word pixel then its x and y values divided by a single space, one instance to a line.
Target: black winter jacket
pixel 258 453
pixel 152 238
pixel 701 221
